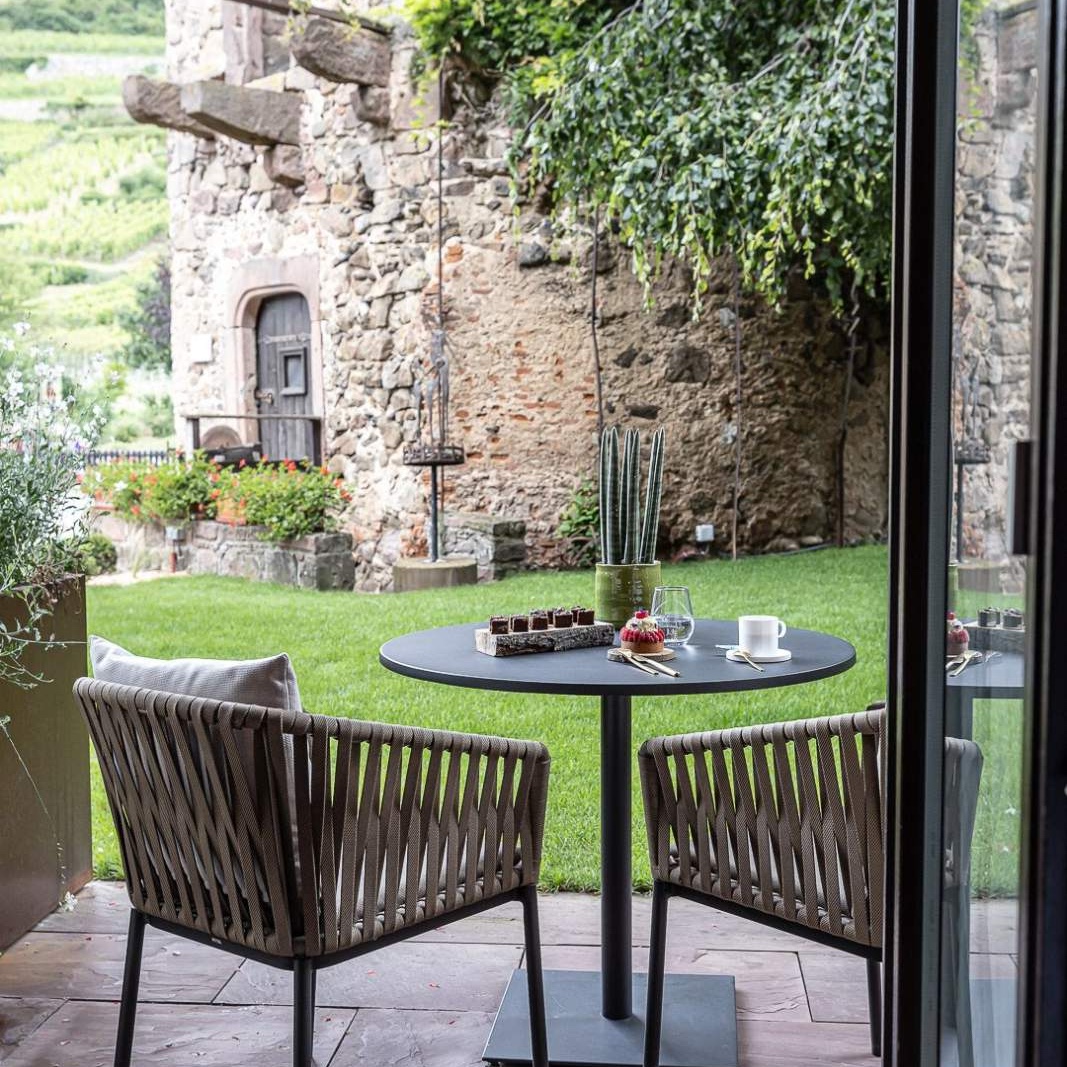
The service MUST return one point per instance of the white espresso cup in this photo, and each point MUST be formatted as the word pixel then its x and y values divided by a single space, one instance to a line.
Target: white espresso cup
pixel 759 634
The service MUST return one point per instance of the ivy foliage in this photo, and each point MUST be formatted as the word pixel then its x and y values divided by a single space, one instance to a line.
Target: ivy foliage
pixel 524 41
pixel 759 127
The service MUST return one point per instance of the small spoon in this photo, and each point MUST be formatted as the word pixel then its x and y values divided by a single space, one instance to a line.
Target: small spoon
pixel 747 657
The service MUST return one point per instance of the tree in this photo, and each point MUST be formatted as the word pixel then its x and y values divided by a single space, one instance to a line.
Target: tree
pixel 148 322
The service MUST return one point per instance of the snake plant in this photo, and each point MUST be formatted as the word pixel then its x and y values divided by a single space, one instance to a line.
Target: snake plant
pixel 625 535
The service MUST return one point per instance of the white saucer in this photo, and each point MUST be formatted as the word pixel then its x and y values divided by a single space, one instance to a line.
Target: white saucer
pixel 780 656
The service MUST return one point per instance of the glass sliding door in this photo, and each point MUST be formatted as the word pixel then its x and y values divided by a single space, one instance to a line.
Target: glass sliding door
pixel 987 612
pixel 977 746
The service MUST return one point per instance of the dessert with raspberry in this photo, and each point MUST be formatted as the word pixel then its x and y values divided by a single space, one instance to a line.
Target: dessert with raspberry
pixel 641 634
pixel 957 638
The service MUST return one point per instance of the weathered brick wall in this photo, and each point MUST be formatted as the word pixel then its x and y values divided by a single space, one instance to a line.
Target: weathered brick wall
pixel 359 235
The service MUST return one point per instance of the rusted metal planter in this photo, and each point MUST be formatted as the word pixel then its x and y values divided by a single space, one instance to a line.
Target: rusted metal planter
pixel 42 856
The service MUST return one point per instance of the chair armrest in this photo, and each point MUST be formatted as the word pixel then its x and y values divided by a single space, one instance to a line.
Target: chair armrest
pixel 397 825
pixel 782 817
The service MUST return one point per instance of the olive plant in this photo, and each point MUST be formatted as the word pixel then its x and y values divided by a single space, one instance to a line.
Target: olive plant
pixel 46 432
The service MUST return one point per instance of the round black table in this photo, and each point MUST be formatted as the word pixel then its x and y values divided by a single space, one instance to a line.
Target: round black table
pixel 1003 677
pixel 578 1034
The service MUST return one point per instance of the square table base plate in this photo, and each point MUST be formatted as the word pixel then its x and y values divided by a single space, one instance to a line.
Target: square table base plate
pixel 699 1023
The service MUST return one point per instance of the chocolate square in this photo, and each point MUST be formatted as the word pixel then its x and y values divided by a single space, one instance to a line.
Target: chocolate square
pixel 539 620
pixel 562 619
pixel 520 624
pixel 585 617
pixel 498 624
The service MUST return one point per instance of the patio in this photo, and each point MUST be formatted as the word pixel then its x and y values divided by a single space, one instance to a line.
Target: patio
pixel 428 1002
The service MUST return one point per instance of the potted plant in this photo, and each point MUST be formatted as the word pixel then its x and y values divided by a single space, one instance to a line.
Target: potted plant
pixel 628 570
pixel 45 831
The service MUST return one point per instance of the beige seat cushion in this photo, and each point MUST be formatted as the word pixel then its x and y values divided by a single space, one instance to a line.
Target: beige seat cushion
pixel 268 682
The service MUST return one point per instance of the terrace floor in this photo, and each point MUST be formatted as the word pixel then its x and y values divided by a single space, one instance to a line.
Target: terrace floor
pixel 428 1002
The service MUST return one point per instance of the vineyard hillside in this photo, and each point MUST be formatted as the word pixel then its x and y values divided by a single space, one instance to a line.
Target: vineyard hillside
pixel 83 207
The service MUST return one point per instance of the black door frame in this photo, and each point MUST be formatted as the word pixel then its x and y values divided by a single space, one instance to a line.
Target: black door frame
pixel 920 479
pixel 919 522
pixel 1043 928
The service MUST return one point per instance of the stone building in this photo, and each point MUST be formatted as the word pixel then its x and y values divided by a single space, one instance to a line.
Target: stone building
pixel 304 212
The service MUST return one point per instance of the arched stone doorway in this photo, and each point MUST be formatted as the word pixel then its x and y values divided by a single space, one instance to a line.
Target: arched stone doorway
pixel 282 392
pixel 289 288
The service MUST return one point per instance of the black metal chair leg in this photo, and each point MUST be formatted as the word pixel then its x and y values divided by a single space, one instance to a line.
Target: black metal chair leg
pixel 535 982
pixel 657 961
pixel 131 980
pixel 874 1004
pixel 303 1011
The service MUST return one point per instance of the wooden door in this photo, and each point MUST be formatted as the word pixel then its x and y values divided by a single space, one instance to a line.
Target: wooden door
pixel 283 377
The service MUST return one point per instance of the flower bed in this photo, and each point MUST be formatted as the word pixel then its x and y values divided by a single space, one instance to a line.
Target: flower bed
pixel 275 522
pixel 283 501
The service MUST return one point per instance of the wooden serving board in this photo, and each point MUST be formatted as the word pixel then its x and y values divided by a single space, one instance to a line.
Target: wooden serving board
pixel 550 640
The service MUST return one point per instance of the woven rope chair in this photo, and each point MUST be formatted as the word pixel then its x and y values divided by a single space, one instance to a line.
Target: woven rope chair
pixel 350 835
pixel 783 823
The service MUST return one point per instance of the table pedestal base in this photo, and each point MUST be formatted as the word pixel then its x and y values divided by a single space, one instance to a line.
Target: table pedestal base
pixel 699 1023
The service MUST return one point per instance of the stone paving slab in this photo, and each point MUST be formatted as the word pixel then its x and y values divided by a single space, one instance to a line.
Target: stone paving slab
pixel 89 967
pixel 428 1002
pixel 836 986
pixel 769 984
pixel 101 908
pixel 82 1034
pixel 779 1044
pixel 19 1018
pixel 408 975
pixel 574 919
pixel 414 1039
pixel 995 926
pixel 566 919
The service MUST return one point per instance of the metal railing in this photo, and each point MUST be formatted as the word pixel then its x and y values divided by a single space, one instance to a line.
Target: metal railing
pixel 195 418
pixel 154 457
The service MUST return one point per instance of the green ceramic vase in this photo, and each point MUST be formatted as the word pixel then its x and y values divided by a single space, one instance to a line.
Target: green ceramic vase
pixel 622 588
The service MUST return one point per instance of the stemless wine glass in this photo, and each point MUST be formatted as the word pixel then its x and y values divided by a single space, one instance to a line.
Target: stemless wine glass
pixel 673 612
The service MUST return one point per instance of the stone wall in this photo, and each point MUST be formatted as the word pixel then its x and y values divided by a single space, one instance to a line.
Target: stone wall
pixel 994 221
pixel 497 544
pixel 318 561
pixel 353 227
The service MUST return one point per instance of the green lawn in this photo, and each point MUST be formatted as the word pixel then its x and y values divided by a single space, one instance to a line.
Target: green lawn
pixel 333 639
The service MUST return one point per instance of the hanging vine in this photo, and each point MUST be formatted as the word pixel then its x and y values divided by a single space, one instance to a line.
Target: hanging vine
pixel 760 126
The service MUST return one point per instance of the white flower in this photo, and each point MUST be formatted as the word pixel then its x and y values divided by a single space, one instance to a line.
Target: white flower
pixel 119 486
pixel 21 329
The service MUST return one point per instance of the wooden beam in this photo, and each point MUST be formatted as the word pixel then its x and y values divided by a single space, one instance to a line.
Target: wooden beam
pixel 255 116
pixel 282 7
pixel 342 53
pixel 158 103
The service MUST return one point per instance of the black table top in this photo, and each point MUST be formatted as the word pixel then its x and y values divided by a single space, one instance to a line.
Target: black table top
pixel 447 655
pixel 1002 676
